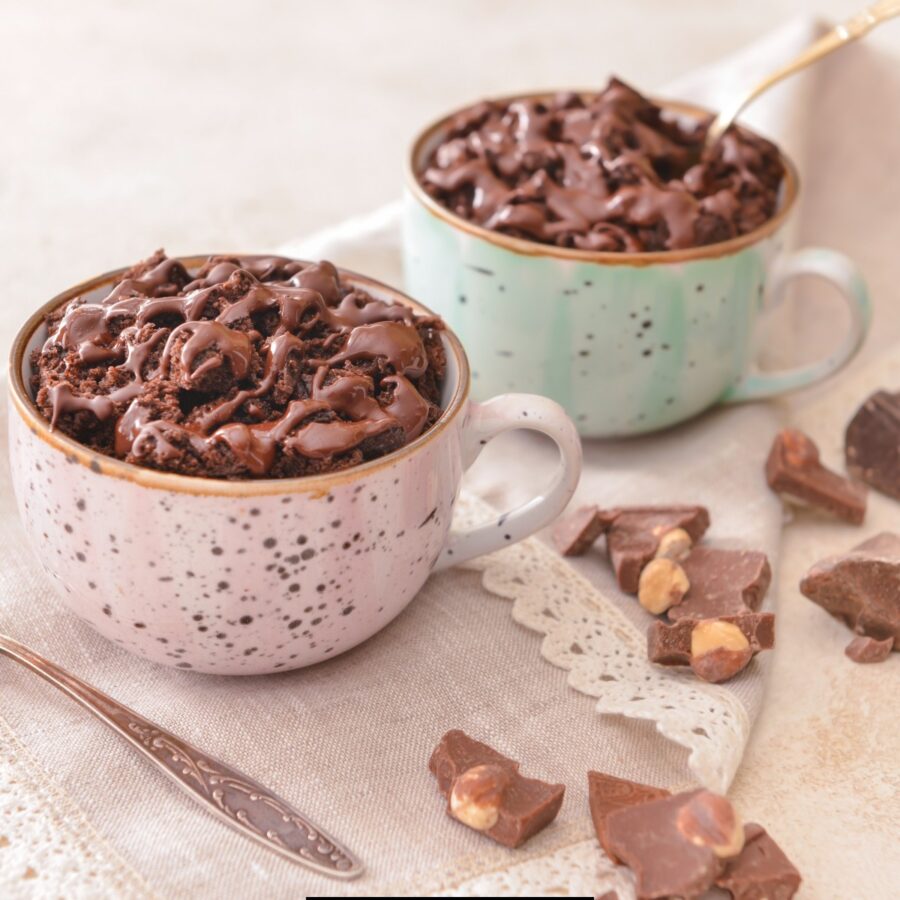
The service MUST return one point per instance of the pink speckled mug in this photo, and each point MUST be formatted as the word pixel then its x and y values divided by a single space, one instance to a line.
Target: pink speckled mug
pixel 250 577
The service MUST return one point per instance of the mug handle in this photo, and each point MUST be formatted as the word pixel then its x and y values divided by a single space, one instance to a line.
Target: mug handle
pixel 510 412
pixel 846 277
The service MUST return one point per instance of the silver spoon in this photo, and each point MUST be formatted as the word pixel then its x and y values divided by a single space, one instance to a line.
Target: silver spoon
pixel 237 800
pixel 853 29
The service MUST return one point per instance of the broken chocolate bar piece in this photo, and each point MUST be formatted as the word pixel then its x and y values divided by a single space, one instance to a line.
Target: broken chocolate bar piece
pixel 676 645
pixel 862 587
pixel 761 871
pixel 872 443
pixel 485 791
pixel 863 649
pixel 575 534
pixel 606 794
pixel 675 846
pixel 723 583
pixel 633 538
pixel 795 471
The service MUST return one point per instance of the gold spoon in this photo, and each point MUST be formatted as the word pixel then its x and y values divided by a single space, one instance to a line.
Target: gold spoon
pixel 236 799
pixel 851 30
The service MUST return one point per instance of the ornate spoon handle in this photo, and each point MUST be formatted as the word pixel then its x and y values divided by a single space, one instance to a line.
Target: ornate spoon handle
pixel 237 800
pixel 850 30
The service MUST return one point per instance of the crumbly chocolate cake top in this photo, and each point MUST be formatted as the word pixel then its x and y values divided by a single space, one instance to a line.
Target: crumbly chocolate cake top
pixel 603 172
pixel 250 367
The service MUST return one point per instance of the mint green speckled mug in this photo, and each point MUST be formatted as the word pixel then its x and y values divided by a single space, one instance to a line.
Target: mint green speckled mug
pixel 627 343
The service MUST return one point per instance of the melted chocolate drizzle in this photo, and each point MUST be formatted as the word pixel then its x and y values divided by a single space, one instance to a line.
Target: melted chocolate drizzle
pixel 225 343
pixel 604 172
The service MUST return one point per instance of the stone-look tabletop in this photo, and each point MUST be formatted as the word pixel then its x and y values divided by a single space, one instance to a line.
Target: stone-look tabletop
pixel 201 126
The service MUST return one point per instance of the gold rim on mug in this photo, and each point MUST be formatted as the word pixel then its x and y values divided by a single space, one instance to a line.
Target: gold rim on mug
pixel 317 485
pixel 534 248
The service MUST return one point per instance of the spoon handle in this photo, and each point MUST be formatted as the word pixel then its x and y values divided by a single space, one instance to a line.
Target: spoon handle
pixel 237 800
pixel 850 30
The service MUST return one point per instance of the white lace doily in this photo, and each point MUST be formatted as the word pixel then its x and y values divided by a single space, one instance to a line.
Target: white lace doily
pixel 47 847
pixel 581 870
pixel 606 656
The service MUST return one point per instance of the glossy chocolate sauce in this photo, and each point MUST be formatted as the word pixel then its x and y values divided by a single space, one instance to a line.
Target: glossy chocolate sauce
pixel 603 172
pixel 253 367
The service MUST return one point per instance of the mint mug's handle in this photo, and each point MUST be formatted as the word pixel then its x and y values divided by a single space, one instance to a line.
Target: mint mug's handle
pixel 510 412
pixel 846 277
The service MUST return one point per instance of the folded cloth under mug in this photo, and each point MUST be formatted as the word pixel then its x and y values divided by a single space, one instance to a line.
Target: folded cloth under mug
pixel 626 342
pixel 188 571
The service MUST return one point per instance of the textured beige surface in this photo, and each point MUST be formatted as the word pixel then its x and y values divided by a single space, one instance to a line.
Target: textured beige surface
pixel 822 768
pixel 240 125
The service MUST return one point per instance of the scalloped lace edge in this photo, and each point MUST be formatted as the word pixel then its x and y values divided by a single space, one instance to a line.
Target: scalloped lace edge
pixel 606 656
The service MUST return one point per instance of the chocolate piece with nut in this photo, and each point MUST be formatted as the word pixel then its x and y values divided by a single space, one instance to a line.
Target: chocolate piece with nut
pixel 761 871
pixel 606 794
pixel 676 846
pixel 863 649
pixel 638 534
pixel 862 587
pixel 723 583
pixel 716 649
pixel 576 533
pixel 485 791
pixel 872 443
pixel 794 471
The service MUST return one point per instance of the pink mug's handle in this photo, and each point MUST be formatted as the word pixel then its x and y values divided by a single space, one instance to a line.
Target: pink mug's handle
pixel 510 412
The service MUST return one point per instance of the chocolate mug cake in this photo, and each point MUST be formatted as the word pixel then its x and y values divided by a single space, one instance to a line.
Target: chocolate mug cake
pixel 588 247
pixel 234 369
pixel 250 367
pixel 602 172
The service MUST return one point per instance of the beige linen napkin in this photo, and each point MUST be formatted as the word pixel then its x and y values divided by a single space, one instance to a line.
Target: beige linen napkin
pixel 349 741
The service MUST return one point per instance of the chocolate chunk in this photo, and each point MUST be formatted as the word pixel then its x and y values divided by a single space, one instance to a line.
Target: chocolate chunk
pixel 761 871
pixel 574 534
pixel 675 846
pixel 872 443
pixel 863 649
pixel 606 794
pixel 485 791
pixel 671 645
pixel 723 583
pixel 862 587
pixel 794 470
pixel 634 535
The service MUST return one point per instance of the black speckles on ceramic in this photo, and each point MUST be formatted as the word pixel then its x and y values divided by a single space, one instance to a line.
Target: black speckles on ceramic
pixel 306 581
pixel 611 343
pixel 260 577
pixel 625 347
pixel 237 584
